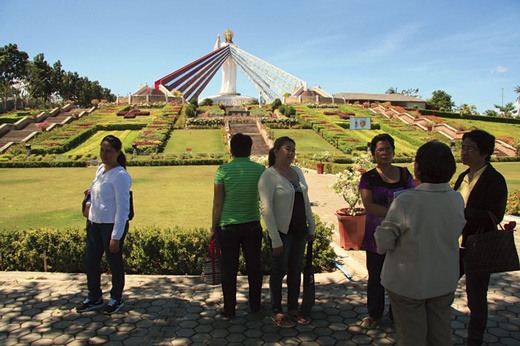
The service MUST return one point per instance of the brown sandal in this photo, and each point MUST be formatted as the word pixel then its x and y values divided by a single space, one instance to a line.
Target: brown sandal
pixel 282 321
pixel 298 317
pixel 370 323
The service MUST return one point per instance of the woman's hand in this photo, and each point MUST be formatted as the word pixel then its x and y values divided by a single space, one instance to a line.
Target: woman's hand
pixel 114 246
pixel 277 251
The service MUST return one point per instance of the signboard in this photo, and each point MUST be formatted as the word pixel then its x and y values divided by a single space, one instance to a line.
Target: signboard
pixel 359 123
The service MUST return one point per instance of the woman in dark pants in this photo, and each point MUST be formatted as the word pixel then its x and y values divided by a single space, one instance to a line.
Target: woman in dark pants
pixel 107 212
pixel 287 213
pixel 483 189
pixel 377 188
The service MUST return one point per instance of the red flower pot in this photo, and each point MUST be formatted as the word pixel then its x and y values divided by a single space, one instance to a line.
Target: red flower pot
pixel 351 228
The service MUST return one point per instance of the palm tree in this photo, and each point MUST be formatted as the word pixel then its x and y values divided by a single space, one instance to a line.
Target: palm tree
pixel 517 110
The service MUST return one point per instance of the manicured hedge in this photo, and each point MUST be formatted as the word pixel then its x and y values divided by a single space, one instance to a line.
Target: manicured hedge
pixel 469 117
pixel 82 163
pixel 147 251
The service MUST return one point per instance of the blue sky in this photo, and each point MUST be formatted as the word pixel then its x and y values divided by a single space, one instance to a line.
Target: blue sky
pixel 469 49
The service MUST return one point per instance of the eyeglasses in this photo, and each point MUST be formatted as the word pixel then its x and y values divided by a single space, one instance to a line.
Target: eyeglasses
pixel 468 149
pixel 383 150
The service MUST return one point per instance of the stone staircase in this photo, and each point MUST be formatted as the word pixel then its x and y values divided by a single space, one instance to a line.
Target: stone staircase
pixel 28 128
pixel 250 128
pixel 501 148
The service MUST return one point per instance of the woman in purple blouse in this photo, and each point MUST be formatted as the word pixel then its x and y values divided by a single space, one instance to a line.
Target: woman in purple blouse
pixel 378 188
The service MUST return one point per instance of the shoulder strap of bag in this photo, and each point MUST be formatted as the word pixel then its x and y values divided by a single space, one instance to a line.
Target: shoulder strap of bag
pixel 495 220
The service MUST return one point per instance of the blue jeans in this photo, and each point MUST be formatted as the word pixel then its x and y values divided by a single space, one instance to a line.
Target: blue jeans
pixel 290 263
pixel 98 240
pixel 231 238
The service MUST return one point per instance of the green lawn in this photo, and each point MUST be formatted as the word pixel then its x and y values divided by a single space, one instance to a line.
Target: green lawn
pixel 200 141
pixel 51 197
pixel 307 141
pixel 163 196
pixel 91 146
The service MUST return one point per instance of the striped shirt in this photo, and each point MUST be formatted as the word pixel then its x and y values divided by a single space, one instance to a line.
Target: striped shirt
pixel 241 202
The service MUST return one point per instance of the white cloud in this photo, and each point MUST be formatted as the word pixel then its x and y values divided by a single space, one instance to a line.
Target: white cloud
pixel 499 69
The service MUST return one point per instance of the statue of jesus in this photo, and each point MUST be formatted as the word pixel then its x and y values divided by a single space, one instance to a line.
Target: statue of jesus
pixel 229 67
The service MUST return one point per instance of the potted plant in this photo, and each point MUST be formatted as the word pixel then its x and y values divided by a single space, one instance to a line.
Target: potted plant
pixel 352 218
pixel 321 157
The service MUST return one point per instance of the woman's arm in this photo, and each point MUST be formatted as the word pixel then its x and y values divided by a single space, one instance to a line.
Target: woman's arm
pixel 218 203
pixel 387 234
pixel 121 183
pixel 266 189
pixel 371 207
pixel 308 209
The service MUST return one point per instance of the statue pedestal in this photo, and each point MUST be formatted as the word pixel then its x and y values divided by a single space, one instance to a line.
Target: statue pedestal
pixel 232 100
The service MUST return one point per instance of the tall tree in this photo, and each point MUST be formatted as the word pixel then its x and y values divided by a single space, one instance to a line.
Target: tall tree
pixel 491 113
pixel 517 105
pixel 13 69
pixel 41 79
pixel 465 109
pixel 441 100
pixel 57 78
pixel 507 109
pixel 412 92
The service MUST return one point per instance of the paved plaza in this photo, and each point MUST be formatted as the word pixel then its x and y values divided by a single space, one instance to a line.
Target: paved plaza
pixel 38 308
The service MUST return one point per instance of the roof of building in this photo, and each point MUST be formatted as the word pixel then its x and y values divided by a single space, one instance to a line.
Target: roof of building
pixel 378 97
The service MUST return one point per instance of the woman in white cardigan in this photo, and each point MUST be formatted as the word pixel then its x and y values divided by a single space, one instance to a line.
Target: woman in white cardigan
pixel 288 216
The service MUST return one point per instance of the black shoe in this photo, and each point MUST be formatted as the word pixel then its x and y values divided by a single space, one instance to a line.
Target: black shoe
pixel 224 314
pixel 88 305
pixel 256 309
pixel 113 306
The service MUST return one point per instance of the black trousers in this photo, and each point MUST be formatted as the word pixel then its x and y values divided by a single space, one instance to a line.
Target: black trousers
pixel 231 238
pixel 476 294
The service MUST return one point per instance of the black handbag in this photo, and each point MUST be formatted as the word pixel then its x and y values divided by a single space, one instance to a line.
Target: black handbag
pixel 309 289
pixel 491 250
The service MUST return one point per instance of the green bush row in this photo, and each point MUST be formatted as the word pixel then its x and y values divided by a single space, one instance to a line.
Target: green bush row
pixel 81 163
pixel 452 115
pixel 147 251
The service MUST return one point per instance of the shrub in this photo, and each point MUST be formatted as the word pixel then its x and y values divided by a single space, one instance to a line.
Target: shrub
pixel 194 102
pixel 206 102
pixel 191 111
pixel 147 251
pixel 513 203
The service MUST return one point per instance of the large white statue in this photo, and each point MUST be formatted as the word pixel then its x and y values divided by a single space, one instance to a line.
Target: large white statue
pixel 229 67
pixel 518 106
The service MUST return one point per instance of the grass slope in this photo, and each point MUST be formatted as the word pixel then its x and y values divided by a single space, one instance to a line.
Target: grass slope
pixel 163 196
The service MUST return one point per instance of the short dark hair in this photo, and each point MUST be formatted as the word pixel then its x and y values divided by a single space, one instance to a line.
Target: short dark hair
pixel 485 142
pixel 380 138
pixel 277 145
pixel 241 145
pixel 435 163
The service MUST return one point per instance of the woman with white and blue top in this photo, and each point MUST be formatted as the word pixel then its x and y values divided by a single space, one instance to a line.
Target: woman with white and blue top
pixel 107 211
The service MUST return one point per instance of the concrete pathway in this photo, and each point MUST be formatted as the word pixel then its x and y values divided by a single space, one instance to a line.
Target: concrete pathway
pixel 38 308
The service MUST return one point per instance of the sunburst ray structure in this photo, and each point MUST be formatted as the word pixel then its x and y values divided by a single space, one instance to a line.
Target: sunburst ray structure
pixel 270 81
